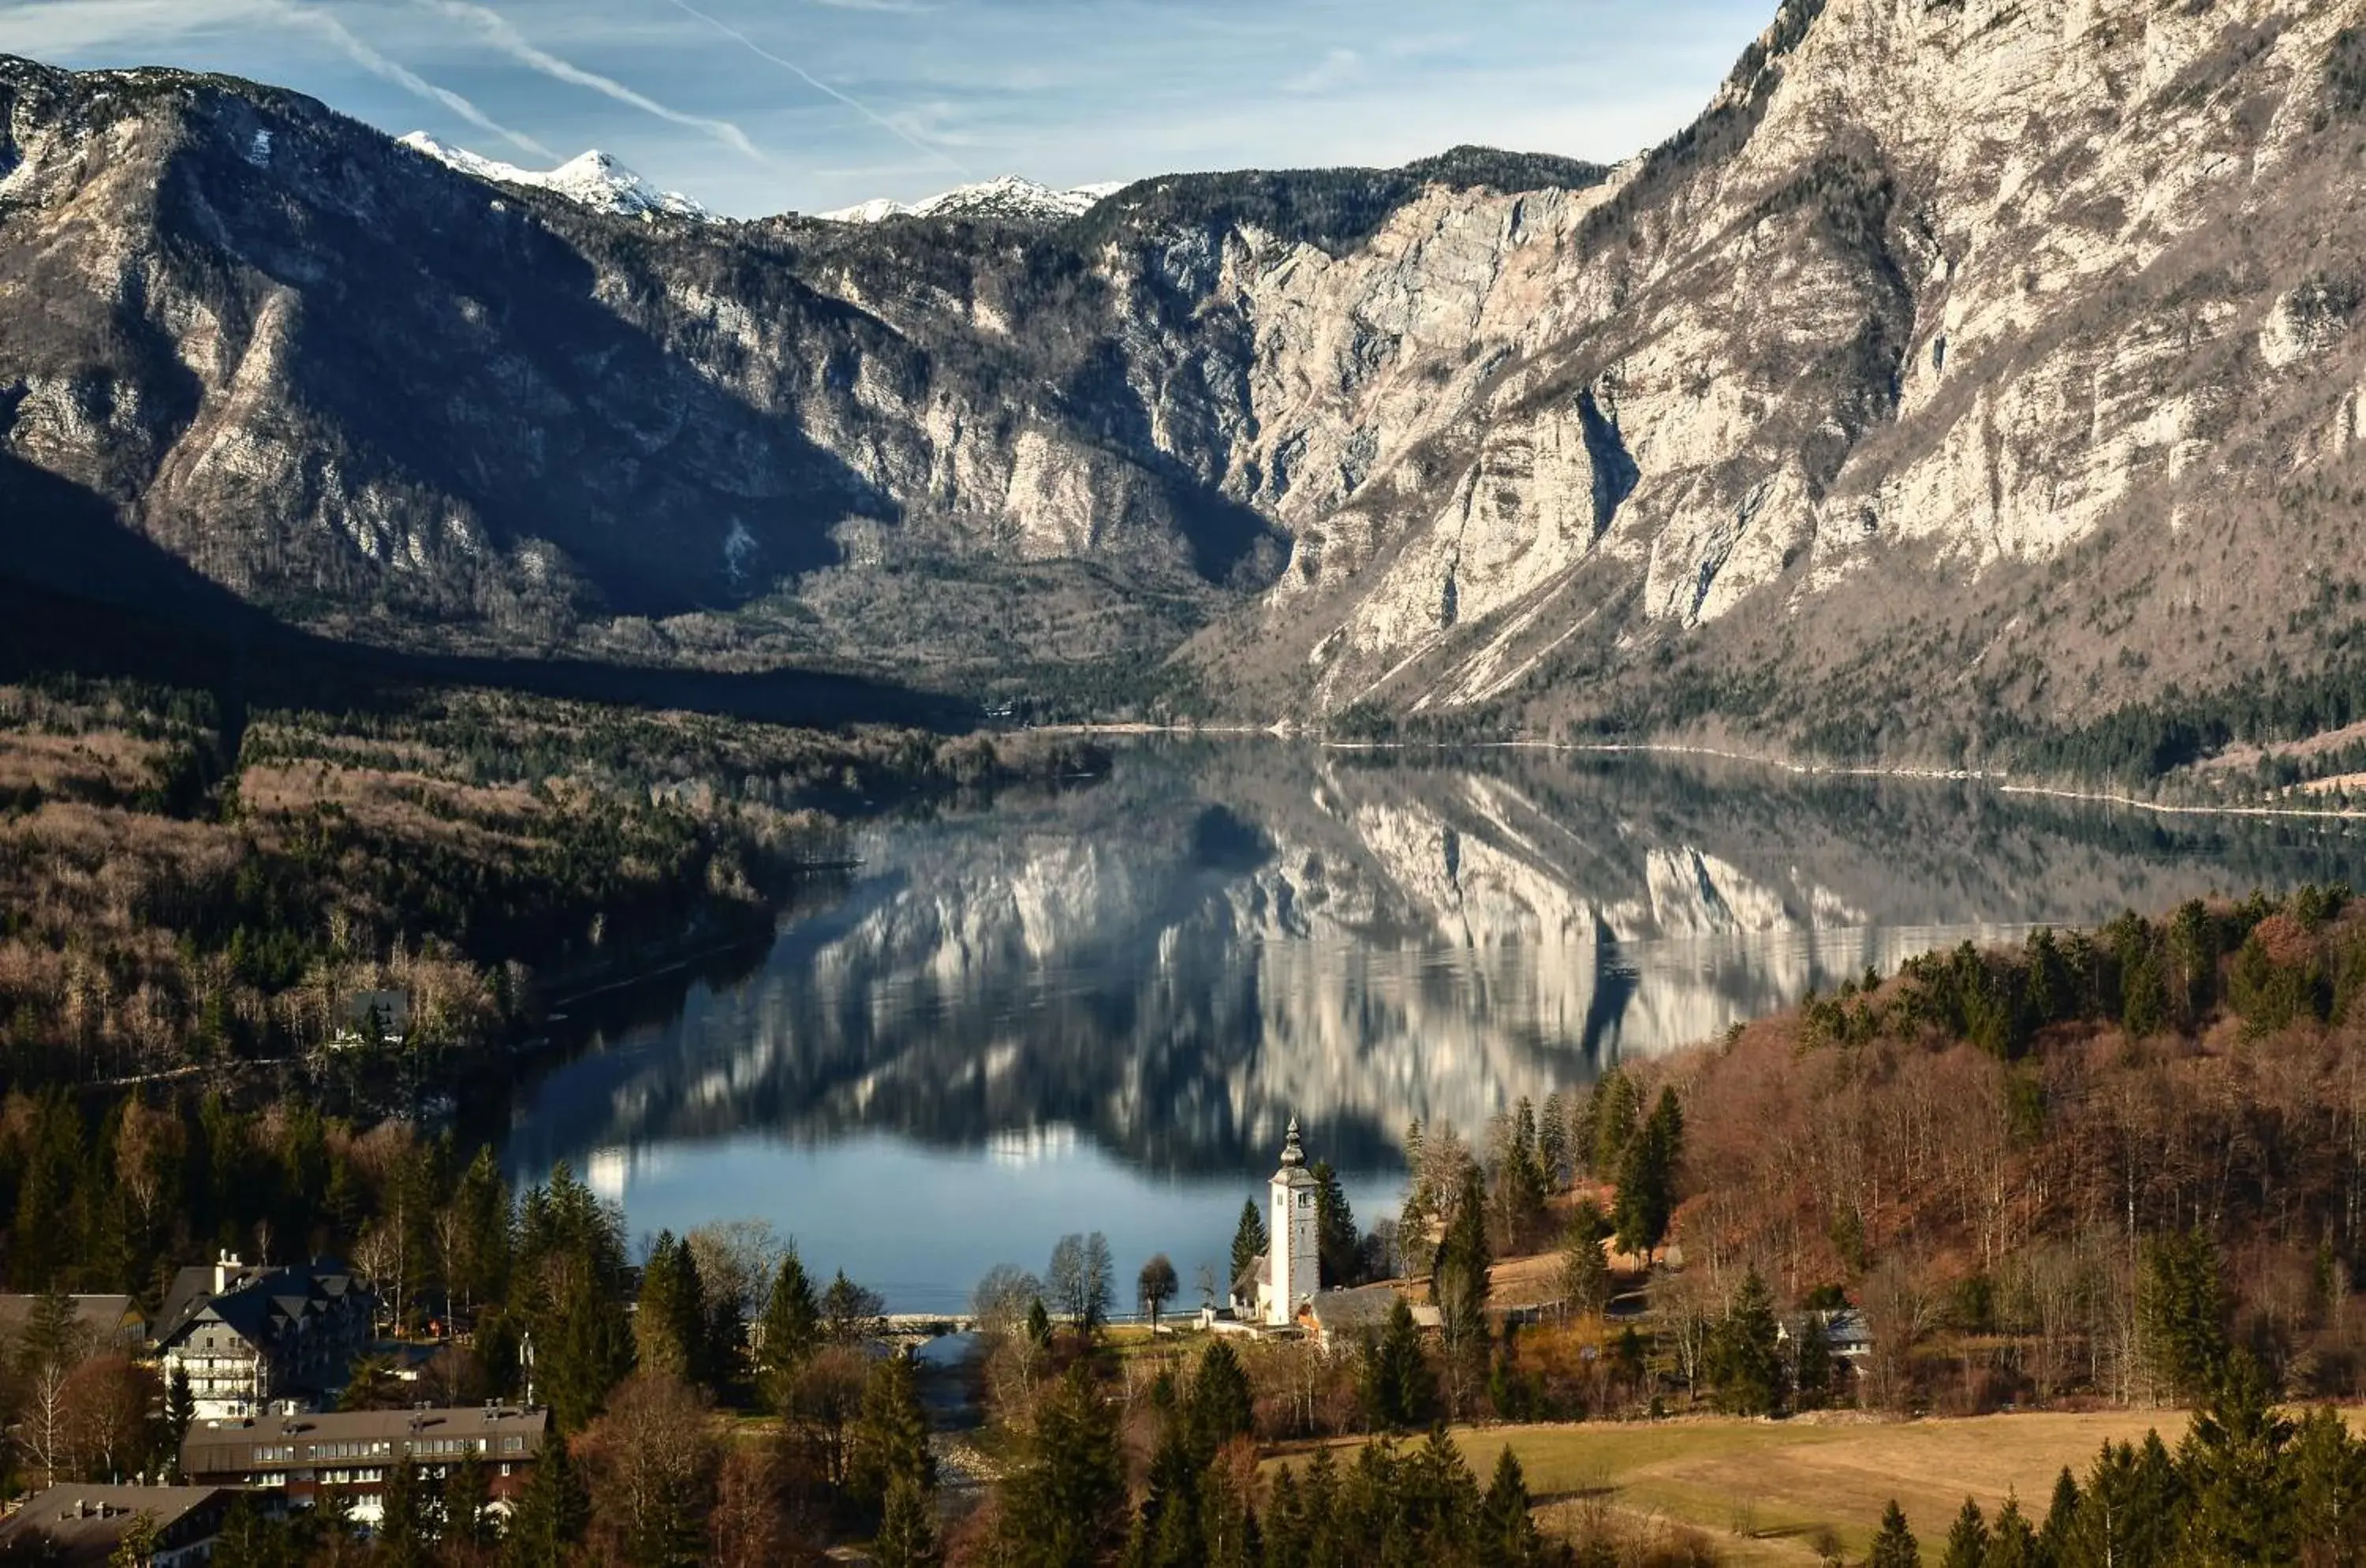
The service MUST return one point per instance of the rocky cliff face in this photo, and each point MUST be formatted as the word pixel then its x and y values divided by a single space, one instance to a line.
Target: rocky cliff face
pixel 1966 373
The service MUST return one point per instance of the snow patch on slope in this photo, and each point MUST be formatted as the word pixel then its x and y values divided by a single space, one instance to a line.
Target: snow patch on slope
pixel 595 180
pixel 1009 196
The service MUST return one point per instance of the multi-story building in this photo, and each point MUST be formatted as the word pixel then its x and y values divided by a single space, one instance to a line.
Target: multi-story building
pixel 251 1337
pixel 345 1456
pixel 84 1526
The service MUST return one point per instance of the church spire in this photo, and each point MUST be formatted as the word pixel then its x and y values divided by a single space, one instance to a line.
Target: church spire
pixel 1291 1154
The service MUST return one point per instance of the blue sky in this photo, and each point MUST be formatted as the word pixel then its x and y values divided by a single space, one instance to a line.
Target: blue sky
pixel 758 105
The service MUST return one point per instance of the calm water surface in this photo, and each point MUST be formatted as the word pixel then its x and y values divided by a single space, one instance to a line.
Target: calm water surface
pixel 1097 1010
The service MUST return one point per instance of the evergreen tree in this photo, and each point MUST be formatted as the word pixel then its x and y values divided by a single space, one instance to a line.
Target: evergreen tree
pixel 2012 1544
pixel 1585 1277
pixel 1895 1546
pixel 2239 1495
pixel 1250 1241
pixel 2061 1518
pixel 1647 1179
pixel 481 1207
pixel 1338 1246
pixel 180 1414
pixel 1165 1532
pixel 1744 1362
pixel 1230 1532
pixel 1222 1407
pixel 467 1495
pixel 1459 1282
pixel 2181 1308
pixel 1812 1368
pixel 1288 1537
pixel 2328 1489
pixel 550 1513
pixel 1507 1531
pixel 1612 1112
pixel 907 1529
pixel 407 1529
pixel 670 1327
pixel 789 1331
pixel 1400 1394
pixel 891 1437
pixel 1552 1141
pixel 1967 1542
pixel 1065 1502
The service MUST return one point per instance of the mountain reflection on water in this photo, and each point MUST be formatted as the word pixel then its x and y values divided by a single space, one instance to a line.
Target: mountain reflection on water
pixel 1097 1009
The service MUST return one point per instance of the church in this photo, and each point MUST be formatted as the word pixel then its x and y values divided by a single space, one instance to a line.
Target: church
pixel 1285 1277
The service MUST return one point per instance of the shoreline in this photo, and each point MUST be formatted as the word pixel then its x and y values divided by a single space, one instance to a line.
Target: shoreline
pixel 1999 779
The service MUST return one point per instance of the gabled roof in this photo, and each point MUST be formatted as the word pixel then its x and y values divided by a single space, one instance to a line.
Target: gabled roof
pixel 86 1523
pixel 1256 1274
pixel 255 1302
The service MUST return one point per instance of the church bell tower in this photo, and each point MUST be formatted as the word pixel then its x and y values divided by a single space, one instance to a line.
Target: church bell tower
pixel 1294 1265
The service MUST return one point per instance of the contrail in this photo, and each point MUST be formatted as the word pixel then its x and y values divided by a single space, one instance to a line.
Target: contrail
pixel 402 76
pixel 865 110
pixel 513 43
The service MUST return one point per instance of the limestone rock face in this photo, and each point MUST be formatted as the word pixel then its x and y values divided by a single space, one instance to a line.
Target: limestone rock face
pixel 1930 291
pixel 1964 368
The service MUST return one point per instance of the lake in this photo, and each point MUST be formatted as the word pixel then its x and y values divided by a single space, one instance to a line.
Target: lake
pixel 1097 1008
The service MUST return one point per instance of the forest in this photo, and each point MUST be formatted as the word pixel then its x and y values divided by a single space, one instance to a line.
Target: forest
pixel 2116 1168
pixel 189 883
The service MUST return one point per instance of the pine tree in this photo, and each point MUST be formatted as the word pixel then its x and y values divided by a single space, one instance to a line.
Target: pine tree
pixel 1895 1546
pixel 907 1529
pixel 1744 1362
pixel 2239 1507
pixel 550 1513
pixel 1647 1179
pixel 669 1325
pixel 1459 1285
pixel 467 1493
pixel 2329 1474
pixel 180 1413
pixel 1222 1407
pixel 407 1529
pixel 2181 1308
pixel 1165 1532
pixel 1400 1394
pixel 1230 1532
pixel 1967 1542
pixel 1063 1503
pixel 891 1437
pixel 1811 1373
pixel 1552 1141
pixel 1250 1241
pixel 1612 1112
pixel 2061 1518
pixel 1338 1246
pixel 788 1332
pixel 2012 1544
pixel 1287 1536
pixel 1507 1531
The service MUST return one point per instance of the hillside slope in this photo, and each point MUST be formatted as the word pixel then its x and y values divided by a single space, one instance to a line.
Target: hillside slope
pixel 1971 383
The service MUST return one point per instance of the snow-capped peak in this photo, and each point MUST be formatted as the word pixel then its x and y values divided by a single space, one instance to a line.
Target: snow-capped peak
pixel 595 180
pixel 1009 196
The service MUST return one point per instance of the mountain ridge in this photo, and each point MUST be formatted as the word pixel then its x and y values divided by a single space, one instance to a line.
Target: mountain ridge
pixel 1912 404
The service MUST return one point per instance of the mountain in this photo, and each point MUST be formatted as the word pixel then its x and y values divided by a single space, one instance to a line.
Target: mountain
pixel 1970 383
pixel 1010 199
pixel 595 179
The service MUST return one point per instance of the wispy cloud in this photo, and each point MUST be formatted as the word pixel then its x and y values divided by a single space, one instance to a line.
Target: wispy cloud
pixel 885 123
pixel 514 44
pixel 371 59
pixel 1338 68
